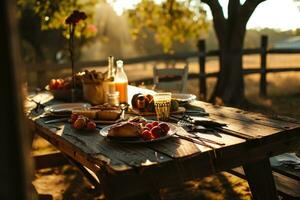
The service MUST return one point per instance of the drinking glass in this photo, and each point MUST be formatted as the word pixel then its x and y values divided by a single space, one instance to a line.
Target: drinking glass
pixel 162 103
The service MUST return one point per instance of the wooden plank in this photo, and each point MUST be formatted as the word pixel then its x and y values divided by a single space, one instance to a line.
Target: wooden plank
pixel 257 149
pixel 287 171
pixel 250 117
pixel 285 185
pixel 263 64
pixel 260 179
pixel 202 61
pixel 290 69
pixel 283 51
pixel 68 148
pixel 118 156
pixel 167 174
pixel 103 63
pixel 246 128
pixel 53 159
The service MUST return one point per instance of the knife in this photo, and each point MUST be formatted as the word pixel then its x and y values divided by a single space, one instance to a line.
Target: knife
pixel 56 120
pixel 194 140
pixel 206 140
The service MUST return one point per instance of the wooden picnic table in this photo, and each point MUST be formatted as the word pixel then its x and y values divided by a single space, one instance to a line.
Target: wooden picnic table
pixel 126 170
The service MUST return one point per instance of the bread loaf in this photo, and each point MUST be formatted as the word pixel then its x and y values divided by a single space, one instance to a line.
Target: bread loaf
pixel 109 115
pixel 91 114
pixel 127 129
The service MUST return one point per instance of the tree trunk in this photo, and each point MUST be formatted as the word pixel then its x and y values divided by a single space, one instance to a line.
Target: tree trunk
pixel 230 33
pixel 230 83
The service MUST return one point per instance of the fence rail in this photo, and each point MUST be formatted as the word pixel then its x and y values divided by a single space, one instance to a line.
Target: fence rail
pixel 202 55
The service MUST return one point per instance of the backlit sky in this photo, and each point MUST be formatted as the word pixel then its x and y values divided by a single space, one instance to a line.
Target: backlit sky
pixel 279 14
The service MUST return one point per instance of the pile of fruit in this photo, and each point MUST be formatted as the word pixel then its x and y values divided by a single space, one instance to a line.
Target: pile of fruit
pixel 81 122
pixel 59 84
pixel 145 103
pixel 65 84
pixel 154 130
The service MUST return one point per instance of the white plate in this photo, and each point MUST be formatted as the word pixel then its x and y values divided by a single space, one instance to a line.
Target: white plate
pixel 66 107
pixel 171 132
pixel 183 97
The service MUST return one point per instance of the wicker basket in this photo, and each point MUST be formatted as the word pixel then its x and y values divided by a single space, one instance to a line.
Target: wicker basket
pixel 93 92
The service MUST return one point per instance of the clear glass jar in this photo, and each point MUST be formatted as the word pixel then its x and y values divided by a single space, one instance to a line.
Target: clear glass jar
pixel 113 98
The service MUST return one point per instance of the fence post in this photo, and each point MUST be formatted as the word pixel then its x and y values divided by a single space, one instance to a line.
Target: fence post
pixel 202 76
pixel 263 63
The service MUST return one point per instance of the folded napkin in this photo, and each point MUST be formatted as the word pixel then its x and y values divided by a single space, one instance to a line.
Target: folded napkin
pixel 288 159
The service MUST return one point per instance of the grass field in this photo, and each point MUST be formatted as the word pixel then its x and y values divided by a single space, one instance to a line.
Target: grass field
pixel 283 99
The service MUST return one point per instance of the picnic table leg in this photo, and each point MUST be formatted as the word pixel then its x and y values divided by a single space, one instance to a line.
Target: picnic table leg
pixel 111 185
pixel 87 174
pixel 260 179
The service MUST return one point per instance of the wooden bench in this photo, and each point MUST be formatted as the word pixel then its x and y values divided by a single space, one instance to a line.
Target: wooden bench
pixel 287 181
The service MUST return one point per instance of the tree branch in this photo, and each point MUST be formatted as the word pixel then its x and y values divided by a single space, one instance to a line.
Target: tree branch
pixel 218 18
pixel 248 8
pixel 233 8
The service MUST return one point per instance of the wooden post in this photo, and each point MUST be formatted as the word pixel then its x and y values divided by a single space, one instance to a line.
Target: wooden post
pixel 263 63
pixel 15 159
pixel 260 179
pixel 41 78
pixel 202 76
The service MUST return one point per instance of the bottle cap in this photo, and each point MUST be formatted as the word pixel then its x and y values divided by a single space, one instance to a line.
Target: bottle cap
pixel 119 63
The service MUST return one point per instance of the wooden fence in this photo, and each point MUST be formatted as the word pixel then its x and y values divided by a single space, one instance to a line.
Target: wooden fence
pixel 202 55
pixel 263 51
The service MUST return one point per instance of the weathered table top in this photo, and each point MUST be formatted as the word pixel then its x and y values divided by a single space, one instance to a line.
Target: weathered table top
pixel 269 136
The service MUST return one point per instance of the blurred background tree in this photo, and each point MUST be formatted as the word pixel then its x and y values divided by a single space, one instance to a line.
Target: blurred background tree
pixel 43 29
pixel 155 26
pixel 170 21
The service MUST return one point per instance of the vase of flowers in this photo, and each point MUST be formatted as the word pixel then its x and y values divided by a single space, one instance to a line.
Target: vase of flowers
pixel 72 20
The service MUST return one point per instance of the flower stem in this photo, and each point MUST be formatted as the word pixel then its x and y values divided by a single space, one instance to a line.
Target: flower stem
pixel 71 50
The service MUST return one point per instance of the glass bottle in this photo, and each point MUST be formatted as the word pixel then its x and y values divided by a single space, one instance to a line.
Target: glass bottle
pixel 109 81
pixel 121 82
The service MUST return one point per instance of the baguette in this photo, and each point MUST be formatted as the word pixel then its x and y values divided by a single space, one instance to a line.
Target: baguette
pixel 91 114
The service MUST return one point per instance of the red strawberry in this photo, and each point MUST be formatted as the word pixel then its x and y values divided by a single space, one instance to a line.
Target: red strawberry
pixel 149 125
pixel 91 125
pixel 145 128
pixel 165 128
pixel 73 117
pixel 156 131
pixel 146 135
pixel 155 123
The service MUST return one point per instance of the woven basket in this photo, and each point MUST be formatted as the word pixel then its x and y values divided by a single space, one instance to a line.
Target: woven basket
pixel 93 92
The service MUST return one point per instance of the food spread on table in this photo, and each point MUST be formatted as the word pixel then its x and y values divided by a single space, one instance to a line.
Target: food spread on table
pixel 107 93
pixel 64 83
pixel 138 128
pixel 101 112
pixel 81 122
pixel 143 104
